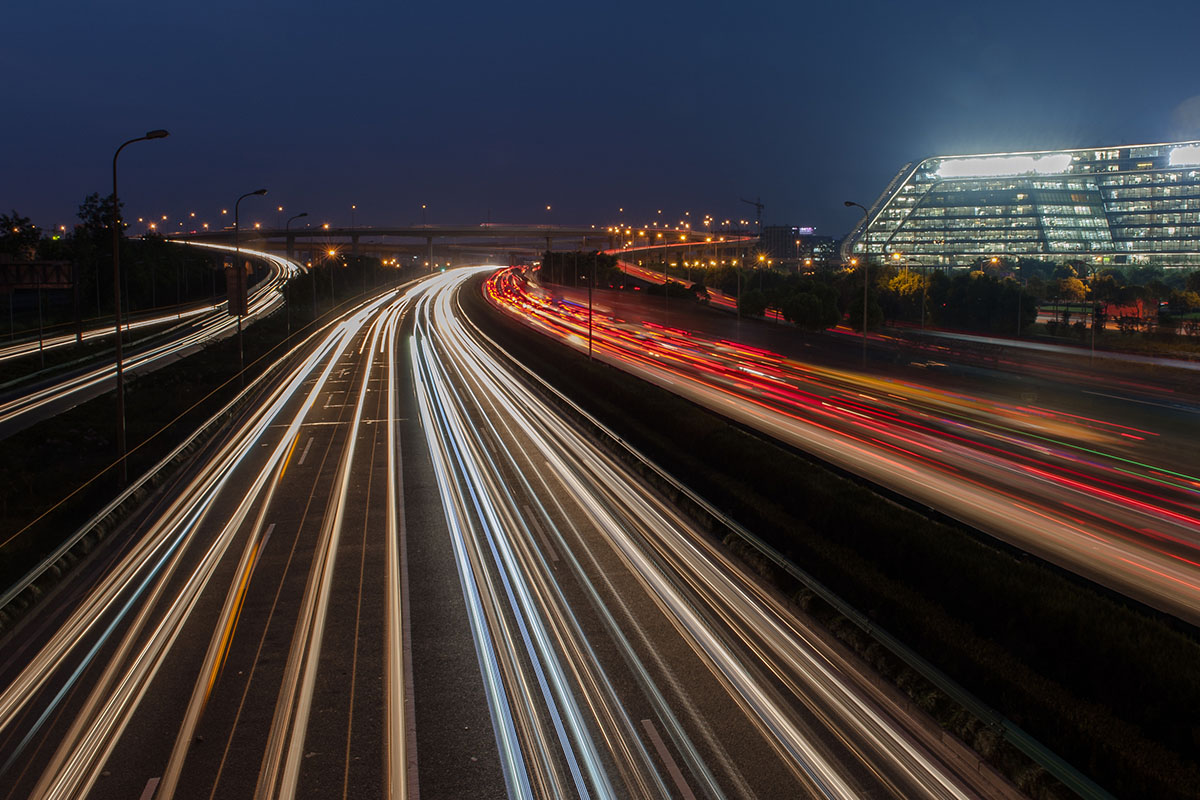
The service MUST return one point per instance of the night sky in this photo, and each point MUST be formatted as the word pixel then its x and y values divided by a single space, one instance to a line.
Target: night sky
pixel 492 111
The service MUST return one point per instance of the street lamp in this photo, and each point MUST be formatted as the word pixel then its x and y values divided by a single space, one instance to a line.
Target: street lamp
pixel 240 274
pixel 848 204
pixel 116 205
pixel 286 226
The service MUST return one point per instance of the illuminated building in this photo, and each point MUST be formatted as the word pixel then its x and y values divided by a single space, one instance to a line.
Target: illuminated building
pixel 1127 204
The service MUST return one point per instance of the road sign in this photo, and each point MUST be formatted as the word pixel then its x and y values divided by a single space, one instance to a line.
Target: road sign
pixel 35 275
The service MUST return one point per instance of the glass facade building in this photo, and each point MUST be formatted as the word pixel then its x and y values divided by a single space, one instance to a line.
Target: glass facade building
pixel 1126 204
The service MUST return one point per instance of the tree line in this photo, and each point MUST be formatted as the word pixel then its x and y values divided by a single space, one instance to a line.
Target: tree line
pixel 154 272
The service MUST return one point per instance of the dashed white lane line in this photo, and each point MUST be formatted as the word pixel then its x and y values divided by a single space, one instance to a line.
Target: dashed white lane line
pixel 151 786
pixel 661 748
pixel 304 455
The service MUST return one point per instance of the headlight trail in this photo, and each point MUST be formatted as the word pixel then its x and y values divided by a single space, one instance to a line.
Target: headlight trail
pixel 489 435
pixel 620 652
pixel 1083 492
pixel 211 322
pixel 155 589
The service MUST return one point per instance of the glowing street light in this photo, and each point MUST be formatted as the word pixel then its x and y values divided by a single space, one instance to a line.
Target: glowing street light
pixel 287 300
pixel 116 232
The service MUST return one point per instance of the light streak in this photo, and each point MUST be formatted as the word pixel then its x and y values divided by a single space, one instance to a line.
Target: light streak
pixel 463 388
pixel 211 322
pixel 945 449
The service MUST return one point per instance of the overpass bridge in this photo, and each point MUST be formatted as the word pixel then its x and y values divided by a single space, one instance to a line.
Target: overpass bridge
pixel 377 240
pixel 486 241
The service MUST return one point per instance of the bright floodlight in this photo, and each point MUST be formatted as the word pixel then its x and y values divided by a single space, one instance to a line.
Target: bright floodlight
pixel 1187 155
pixel 997 166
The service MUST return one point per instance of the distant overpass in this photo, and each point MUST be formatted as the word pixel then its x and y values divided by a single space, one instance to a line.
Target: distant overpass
pixel 476 240
pixel 499 235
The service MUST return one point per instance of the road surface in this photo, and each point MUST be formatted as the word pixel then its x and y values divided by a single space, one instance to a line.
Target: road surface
pixel 1113 495
pixel 402 572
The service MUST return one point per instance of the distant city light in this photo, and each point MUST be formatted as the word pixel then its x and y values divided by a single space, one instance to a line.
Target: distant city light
pixel 1186 156
pixel 997 166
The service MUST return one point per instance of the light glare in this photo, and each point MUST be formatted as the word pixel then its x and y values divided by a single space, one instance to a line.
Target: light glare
pixel 1186 156
pixel 996 166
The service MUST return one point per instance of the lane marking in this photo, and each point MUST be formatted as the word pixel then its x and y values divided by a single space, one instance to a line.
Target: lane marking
pixel 537 527
pixel 266 538
pixel 151 786
pixel 304 455
pixel 288 458
pixel 231 625
pixel 660 747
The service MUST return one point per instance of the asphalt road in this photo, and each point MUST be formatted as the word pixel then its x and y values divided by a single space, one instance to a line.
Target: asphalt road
pixel 1090 465
pixel 400 572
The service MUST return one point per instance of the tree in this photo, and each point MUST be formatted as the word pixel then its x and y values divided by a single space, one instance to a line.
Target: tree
pixel 19 237
pixel 854 314
pixel 1186 302
pixel 752 303
pixel 1156 291
pixel 902 295
pixel 1143 275
pixel 1070 290
pixel 980 302
pixel 1065 270
pixel 1193 282
pixel 1106 291
pixel 95 215
pixel 802 309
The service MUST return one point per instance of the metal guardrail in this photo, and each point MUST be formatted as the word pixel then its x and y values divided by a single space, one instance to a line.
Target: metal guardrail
pixel 1048 760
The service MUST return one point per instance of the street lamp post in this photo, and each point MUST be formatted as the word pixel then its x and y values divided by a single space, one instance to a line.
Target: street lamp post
pixel 866 283
pixel 237 257
pixel 286 227
pixel 116 237
pixel 287 294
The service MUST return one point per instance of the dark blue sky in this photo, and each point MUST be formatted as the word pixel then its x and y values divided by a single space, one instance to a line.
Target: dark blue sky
pixel 499 109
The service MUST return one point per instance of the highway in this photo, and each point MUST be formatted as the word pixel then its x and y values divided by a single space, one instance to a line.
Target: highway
pixel 133 669
pixel 1112 496
pixel 402 572
pixel 36 402
pixel 624 654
